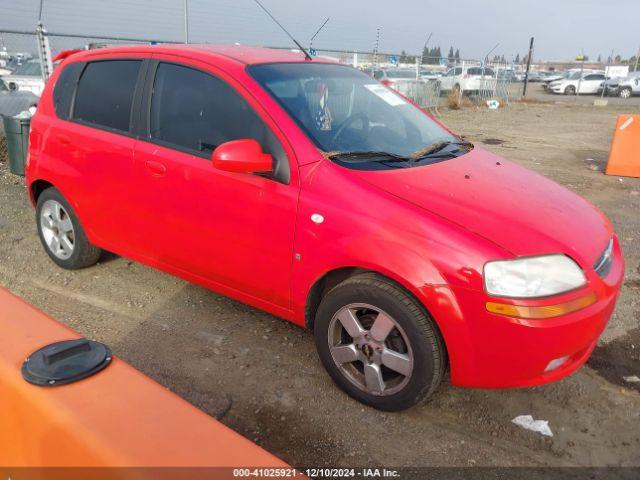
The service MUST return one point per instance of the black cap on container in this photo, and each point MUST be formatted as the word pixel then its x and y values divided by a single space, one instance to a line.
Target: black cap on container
pixel 65 362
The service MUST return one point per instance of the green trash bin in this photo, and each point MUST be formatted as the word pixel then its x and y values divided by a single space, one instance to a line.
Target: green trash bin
pixel 16 130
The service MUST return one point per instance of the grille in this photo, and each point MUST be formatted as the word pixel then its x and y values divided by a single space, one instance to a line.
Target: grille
pixel 603 264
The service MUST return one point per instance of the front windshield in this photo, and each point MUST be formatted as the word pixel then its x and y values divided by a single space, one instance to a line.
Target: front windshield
pixel 343 110
pixel 573 75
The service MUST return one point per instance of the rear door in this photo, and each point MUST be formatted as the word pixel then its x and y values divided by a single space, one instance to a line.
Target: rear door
pixel 95 149
pixel 233 229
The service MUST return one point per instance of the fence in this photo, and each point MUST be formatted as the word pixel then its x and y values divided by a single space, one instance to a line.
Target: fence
pixel 431 83
pixel 4 153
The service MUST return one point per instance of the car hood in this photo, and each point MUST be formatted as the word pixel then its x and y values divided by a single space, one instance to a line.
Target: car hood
pixel 517 209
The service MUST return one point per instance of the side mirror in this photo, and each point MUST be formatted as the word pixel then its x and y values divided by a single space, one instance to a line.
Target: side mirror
pixel 241 156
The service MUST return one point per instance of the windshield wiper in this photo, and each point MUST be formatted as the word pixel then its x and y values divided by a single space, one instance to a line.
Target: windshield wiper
pixel 373 156
pixel 435 147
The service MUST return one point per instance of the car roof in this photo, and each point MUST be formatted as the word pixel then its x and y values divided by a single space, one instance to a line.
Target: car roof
pixel 242 54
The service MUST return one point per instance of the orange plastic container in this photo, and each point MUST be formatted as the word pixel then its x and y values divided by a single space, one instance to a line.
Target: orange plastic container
pixel 624 158
pixel 116 418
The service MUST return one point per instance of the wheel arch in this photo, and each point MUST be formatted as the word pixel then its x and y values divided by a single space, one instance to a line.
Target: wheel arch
pixel 336 276
pixel 37 187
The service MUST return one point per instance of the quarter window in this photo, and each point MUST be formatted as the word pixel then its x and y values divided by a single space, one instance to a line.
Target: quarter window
pixel 105 93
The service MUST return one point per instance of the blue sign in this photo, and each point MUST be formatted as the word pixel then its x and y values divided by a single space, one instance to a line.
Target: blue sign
pixel 313 52
pixel 393 60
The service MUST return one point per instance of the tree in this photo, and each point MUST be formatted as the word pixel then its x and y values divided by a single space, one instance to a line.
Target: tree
pixel 451 56
pixel 599 58
pixel 517 60
pixel 457 55
pixel 618 59
pixel 425 55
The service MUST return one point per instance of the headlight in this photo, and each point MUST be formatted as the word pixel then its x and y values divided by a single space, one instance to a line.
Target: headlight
pixel 532 277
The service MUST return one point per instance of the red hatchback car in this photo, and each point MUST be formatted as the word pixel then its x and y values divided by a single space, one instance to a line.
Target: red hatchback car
pixel 307 189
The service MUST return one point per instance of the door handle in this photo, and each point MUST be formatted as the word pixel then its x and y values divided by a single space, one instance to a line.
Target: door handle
pixel 157 169
pixel 64 140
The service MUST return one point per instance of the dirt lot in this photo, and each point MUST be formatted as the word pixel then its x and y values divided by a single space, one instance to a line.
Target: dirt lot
pixel 261 375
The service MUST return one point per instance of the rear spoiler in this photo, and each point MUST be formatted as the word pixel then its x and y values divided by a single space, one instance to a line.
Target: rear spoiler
pixel 65 53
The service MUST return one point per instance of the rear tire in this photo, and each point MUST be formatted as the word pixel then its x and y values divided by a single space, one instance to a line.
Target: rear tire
pixel 392 356
pixel 61 233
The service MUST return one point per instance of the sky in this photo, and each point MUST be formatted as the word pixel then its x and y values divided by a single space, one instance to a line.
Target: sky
pixel 562 28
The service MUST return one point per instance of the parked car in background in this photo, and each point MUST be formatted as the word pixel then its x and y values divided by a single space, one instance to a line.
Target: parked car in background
pixel 534 77
pixel 27 77
pixel 623 87
pixel 13 101
pixel 400 79
pixel 429 75
pixel 577 82
pixel 468 79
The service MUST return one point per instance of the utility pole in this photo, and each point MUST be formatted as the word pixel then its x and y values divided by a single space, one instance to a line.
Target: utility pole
pixel 40 12
pixel 635 69
pixel 581 72
pixel 186 21
pixel 526 73
pixel 424 49
pixel 317 32
pixel 375 50
pixel 606 71
pixel 44 52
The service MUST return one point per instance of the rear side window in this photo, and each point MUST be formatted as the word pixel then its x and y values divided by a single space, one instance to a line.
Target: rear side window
pixel 64 89
pixel 105 93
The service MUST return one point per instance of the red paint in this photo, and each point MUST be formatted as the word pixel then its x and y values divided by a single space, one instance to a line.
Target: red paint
pixel 431 229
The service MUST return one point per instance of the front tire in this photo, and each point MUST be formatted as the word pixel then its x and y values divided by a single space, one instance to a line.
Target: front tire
pixel 625 93
pixel 61 234
pixel 570 90
pixel 378 343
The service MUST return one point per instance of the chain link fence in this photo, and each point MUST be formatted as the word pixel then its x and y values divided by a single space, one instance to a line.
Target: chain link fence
pixel 4 153
pixel 427 81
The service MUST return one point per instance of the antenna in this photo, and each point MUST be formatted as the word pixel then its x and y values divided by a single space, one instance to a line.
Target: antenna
pixel 306 54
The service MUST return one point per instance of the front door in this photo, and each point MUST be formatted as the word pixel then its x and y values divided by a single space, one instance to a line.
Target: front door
pixel 234 229
pixel 591 83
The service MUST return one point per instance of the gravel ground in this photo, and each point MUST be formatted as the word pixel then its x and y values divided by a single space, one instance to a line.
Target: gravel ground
pixel 261 376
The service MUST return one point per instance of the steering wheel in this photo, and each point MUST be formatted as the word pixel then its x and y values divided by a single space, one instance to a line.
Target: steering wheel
pixel 348 121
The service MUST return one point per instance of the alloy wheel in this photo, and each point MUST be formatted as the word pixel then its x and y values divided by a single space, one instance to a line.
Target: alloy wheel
pixel 57 229
pixel 370 349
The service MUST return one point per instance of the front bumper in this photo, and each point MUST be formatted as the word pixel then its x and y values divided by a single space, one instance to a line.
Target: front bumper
pixel 490 350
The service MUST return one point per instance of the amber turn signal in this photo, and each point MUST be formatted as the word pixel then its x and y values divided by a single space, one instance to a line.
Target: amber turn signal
pixel 547 311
